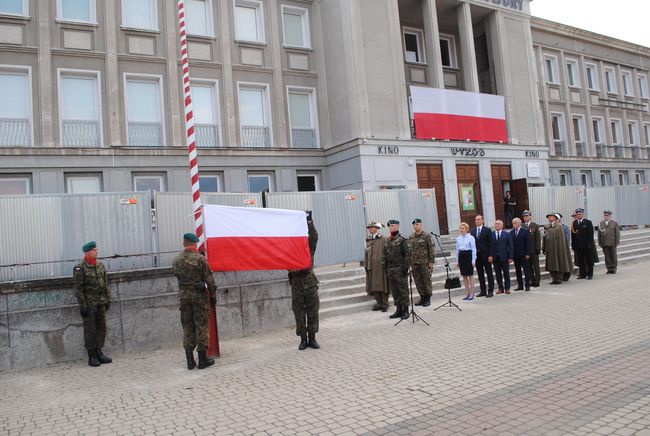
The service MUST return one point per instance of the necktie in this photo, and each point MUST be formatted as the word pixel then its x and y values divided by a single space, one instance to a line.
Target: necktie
pixel 517 232
pixel 478 232
pixel 499 234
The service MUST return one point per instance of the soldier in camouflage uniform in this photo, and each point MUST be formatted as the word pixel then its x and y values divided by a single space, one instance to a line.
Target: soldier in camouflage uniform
pixel 304 295
pixel 423 256
pixel 194 277
pixel 94 298
pixel 396 265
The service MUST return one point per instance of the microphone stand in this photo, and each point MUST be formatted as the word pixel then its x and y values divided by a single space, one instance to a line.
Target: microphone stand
pixel 449 303
pixel 412 313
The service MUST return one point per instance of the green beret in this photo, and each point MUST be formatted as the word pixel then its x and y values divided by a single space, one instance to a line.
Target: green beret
pixel 89 246
pixel 191 237
pixel 417 220
pixel 392 222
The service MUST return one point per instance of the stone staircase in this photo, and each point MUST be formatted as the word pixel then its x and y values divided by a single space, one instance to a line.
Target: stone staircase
pixel 342 288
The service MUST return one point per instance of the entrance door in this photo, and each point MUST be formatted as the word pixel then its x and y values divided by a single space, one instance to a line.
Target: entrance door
pixel 501 175
pixel 469 192
pixel 431 176
pixel 519 190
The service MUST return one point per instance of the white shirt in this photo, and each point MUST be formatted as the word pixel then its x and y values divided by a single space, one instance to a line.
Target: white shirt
pixel 465 243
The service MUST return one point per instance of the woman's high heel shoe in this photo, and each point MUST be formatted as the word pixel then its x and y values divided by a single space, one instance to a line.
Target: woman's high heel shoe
pixel 466 298
pixel 470 298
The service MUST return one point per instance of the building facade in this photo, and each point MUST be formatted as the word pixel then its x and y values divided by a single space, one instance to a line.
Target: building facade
pixel 299 95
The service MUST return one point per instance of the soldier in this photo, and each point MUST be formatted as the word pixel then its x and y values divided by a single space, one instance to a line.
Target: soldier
pixel 536 247
pixel 396 265
pixel 556 248
pixel 582 242
pixel 376 285
pixel 94 298
pixel 304 295
pixel 194 277
pixel 609 236
pixel 422 253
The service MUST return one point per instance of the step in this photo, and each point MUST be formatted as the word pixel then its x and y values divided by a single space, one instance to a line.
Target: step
pixel 342 282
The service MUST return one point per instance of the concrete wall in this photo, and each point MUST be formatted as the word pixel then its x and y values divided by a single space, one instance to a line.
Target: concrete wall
pixel 40 321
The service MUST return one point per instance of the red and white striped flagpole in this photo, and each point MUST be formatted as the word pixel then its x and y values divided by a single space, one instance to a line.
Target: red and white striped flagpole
pixel 213 345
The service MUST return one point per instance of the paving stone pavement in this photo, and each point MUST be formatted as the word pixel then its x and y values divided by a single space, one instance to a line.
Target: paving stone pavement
pixel 573 359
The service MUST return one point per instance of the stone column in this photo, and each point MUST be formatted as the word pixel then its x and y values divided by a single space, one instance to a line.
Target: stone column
pixel 470 73
pixel 432 44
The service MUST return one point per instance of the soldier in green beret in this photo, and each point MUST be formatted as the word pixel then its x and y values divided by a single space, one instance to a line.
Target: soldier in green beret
pixel 94 298
pixel 194 277
pixel 396 265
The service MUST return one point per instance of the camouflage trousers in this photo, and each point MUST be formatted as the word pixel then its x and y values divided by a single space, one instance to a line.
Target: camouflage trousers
pixel 95 326
pixel 422 278
pixel 398 287
pixel 195 321
pixel 305 304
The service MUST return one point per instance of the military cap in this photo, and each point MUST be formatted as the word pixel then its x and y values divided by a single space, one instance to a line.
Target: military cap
pixel 374 224
pixel 580 210
pixel 525 213
pixel 558 215
pixel 89 246
pixel 191 237
pixel 607 212
pixel 550 214
pixel 417 220
pixel 392 222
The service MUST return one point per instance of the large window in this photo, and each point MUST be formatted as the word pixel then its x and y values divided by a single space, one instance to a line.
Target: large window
pixel 83 183
pixel 206 114
pixel 628 87
pixel 558 132
pixel 76 10
pixel 643 86
pixel 14 7
pixel 646 134
pixel 79 104
pixel 592 77
pixel 140 14
pixel 599 137
pixel 414 45
pixel 198 15
pixel 573 73
pixel 302 118
pixel 295 25
pixel 579 135
pixel 448 51
pixel 254 115
pixel 259 182
pixel 249 20
pixel 550 65
pixel 633 133
pixel 616 132
pixel 144 113
pixel 11 184
pixel 610 80
pixel 15 107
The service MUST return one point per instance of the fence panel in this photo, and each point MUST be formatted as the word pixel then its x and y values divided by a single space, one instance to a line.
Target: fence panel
pixel 404 206
pixel 630 204
pixel 562 199
pixel 339 219
pixel 53 227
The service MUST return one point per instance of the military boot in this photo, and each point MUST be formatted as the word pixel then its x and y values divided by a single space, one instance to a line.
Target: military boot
pixel 427 301
pixel 421 301
pixel 303 342
pixel 405 312
pixel 189 354
pixel 101 357
pixel 204 361
pixel 398 312
pixel 92 358
pixel 312 341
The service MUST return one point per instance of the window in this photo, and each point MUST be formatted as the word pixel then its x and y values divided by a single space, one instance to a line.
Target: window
pixel 448 50
pixel 249 20
pixel 83 183
pixel 295 25
pixel 573 73
pixel 605 178
pixel 307 182
pixel 592 77
pixel 599 140
pixel 550 63
pixel 616 132
pixel 628 88
pixel 585 179
pixel 144 111
pixel 79 108
pixel 15 184
pixel 259 182
pixel 623 178
pixel 76 10
pixel 14 7
pixel 565 178
pixel 210 182
pixel 414 45
pixel 633 132
pixel 646 131
pixel 254 115
pixel 643 85
pixel 557 128
pixel 640 177
pixel 302 118
pixel 206 114
pixel 15 107
pixel 610 80
pixel 140 14
pixel 151 183
pixel 579 135
pixel 198 15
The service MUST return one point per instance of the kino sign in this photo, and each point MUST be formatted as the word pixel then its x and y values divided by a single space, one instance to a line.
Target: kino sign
pixel 513 4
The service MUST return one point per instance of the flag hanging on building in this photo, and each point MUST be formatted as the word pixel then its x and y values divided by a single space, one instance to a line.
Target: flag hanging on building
pixel 458 115
pixel 246 238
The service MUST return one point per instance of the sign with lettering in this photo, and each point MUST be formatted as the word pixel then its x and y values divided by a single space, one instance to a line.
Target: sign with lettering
pixel 517 5
pixel 387 149
pixel 534 154
pixel 534 170
pixel 468 151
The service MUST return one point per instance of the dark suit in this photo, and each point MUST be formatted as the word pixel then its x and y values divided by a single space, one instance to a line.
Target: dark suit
pixel 483 266
pixel 582 243
pixel 502 253
pixel 521 244
pixel 535 249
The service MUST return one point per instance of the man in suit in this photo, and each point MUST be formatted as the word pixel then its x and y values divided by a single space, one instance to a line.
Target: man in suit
pixel 502 256
pixel 521 253
pixel 582 243
pixel 535 247
pixel 609 236
pixel 483 238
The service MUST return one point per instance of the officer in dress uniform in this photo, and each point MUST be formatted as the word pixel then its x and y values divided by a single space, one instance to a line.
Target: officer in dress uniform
pixel 609 237
pixel 536 246
pixel 423 256
pixel 376 285
pixel 582 242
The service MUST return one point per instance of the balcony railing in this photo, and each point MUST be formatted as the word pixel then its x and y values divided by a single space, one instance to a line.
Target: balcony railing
pixel 80 133
pixel 559 147
pixel 303 138
pixel 600 150
pixel 619 151
pixel 15 132
pixel 207 135
pixel 580 149
pixel 255 136
pixel 145 134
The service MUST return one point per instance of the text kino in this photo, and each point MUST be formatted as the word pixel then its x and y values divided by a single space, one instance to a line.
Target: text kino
pixel 514 4
pixel 387 149
pixel 471 152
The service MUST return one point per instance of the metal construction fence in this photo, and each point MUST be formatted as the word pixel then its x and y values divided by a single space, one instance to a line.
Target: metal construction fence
pixel 562 199
pixel 630 205
pixel 404 206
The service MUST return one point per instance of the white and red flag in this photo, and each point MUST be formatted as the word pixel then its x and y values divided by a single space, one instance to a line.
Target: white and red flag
pixel 247 238
pixel 458 115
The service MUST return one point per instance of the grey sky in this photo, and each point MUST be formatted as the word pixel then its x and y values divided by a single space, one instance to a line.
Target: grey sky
pixel 628 20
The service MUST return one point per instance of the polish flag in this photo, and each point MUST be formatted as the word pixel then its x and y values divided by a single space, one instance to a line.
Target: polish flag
pixel 247 238
pixel 458 115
